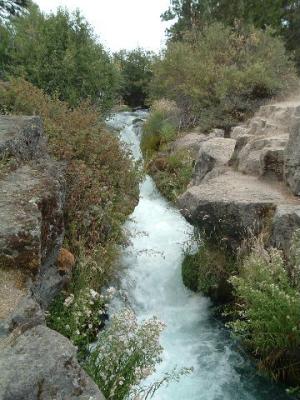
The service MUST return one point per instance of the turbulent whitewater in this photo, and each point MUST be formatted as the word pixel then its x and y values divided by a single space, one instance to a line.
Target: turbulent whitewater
pixel 152 280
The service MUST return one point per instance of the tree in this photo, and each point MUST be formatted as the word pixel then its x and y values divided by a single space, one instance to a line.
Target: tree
pixel 12 7
pixel 219 76
pixel 136 72
pixel 60 54
pixel 4 48
pixel 282 15
pixel 187 14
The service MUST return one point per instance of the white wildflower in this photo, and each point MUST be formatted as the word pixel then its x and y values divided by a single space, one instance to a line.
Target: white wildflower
pixel 69 300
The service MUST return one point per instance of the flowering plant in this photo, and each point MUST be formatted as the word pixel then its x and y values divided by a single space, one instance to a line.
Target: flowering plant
pixel 126 354
pixel 82 316
pixel 267 317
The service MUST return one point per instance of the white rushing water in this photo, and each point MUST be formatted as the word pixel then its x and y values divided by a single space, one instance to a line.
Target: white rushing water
pixel 152 279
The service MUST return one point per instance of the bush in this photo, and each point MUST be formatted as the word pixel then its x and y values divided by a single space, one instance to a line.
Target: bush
pixel 5 36
pixel 59 53
pixel 80 316
pixel 220 76
pixel 135 68
pixel 102 181
pixel 160 128
pixel 171 170
pixel 127 352
pixel 208 269
pixel 172 173
pixel 268 319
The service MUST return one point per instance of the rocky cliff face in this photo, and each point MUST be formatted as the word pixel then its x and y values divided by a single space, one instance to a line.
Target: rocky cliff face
pixel 249 180
pixel 35 362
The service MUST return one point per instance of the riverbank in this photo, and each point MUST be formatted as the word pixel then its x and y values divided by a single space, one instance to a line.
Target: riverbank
pixel 151 279
pixel 57 241
pixel 243 185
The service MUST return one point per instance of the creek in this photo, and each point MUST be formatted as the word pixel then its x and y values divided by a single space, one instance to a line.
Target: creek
pixel 152 279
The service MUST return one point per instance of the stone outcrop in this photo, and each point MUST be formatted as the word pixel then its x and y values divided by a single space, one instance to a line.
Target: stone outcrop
pixel 215 152
pixel 193 141
pixel 231 206
pixel 249 181
pixel 31 214
pixel 261 143
pixel 35 362
pixel 41 364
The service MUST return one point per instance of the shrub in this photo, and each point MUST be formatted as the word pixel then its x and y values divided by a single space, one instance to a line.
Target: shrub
pixel 127 353
pixel 5 36
pixel 60 54
pixel 268 319
pixel 219 76
pixel 80 316
pixel 135 68
pixel 172 173
pixel 102 181
pixel 160 127
pixel 208 269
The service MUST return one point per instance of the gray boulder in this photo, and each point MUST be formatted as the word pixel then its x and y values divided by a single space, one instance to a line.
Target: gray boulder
pixel 217 133
pixel 263 155
pixel 230 207
pixel 190 142
pixel 41 364
pixel 213 153
pixel 27 313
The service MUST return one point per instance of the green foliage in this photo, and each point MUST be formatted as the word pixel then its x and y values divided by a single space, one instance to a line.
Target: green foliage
pixel 219 76
pixel 268 319
pixel 135 68
pixel 282 15
pixel 127 352
pixel 157 130
pixel 207 270
pixel 198 13
pixel 294 260
pixel 7 164
pixel 59 53
pixel 160 127
pixel 172 173
pixel 171 170
pixel 80 316
pixel 5 36
pixel 186 13
pixel 150 144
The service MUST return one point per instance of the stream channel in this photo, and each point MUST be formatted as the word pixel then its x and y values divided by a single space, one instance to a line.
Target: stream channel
pixel 152 279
